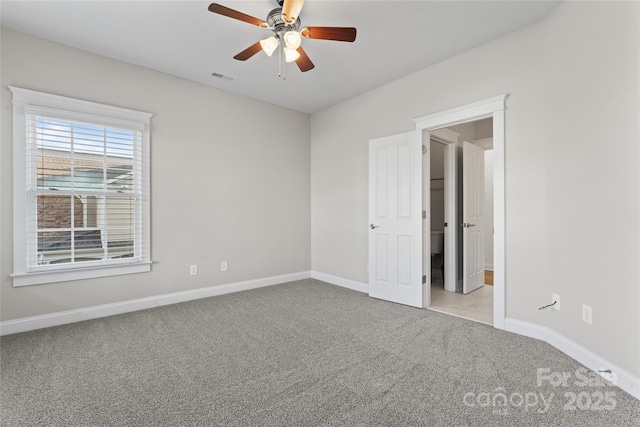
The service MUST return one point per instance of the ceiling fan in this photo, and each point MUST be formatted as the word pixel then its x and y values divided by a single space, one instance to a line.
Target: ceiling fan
pixel 284 21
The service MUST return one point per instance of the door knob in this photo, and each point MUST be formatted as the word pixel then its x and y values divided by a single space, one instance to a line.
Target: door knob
pixel 467 225
pixel 373 226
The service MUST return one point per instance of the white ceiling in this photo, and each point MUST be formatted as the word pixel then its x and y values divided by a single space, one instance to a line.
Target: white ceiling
pixel 182 38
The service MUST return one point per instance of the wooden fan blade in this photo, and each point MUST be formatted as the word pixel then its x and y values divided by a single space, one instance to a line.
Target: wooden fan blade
pixel 304 63
pixel 231 13
pixel 341 34
pixel 291 9
pixel 248 52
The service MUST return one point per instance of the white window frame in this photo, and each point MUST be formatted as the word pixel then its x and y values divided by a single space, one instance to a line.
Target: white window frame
pixel 26 102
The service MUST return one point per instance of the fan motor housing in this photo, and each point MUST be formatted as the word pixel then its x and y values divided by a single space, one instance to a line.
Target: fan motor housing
pixel 276 21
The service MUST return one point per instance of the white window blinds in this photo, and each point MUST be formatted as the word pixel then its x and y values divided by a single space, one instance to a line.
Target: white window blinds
pixel 85 192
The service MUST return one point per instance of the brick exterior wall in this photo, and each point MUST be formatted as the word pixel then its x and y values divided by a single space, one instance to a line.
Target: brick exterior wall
pixel 55 212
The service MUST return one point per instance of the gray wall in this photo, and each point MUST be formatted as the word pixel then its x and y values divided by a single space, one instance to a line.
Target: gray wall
pixel 223 186
pixel 572 161
pixel 483 129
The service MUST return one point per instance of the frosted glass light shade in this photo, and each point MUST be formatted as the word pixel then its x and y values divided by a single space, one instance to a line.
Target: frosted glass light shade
pixel 269 45
pixel 292 39
pixel 290 55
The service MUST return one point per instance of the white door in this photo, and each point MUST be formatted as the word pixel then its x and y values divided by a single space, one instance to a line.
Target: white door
pixel 395 219
pixel 473 217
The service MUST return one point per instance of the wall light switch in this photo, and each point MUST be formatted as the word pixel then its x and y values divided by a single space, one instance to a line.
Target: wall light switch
pixel 223 266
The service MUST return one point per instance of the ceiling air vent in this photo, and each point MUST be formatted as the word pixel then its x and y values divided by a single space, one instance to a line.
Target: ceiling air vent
pixel 223 77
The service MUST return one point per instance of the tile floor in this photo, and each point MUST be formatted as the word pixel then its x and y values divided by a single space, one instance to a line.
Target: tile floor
pixel 476 305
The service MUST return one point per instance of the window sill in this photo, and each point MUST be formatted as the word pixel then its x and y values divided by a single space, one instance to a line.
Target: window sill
pixel 27 279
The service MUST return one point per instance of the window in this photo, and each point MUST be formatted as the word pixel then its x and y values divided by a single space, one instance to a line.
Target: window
pixel 81 189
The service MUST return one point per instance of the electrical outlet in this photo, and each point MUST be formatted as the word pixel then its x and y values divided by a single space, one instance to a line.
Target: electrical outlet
pixel 193 270
pixel 223 266
pixel 556 298
pixel 587 314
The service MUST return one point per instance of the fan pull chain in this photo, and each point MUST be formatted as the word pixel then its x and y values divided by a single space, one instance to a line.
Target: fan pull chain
pixel 281 63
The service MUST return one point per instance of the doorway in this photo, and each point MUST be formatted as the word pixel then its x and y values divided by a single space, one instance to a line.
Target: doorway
pixel 493 108
pixel 398 269
pixel 469 292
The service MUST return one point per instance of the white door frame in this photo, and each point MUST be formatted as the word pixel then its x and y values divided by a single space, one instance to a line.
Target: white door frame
pixel 449 139
pixel 494 108
pixel 425 142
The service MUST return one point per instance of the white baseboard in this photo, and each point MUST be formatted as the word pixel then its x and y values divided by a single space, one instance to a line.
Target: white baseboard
pixel 71 316
pixel 625 380
pixel 339 281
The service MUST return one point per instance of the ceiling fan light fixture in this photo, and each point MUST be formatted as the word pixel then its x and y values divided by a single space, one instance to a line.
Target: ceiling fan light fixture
pixel 269 45
pixel 290 55
pixel 284 22
pixel 292 39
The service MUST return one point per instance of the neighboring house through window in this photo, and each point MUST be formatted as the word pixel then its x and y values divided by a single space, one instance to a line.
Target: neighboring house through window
pixel 81 189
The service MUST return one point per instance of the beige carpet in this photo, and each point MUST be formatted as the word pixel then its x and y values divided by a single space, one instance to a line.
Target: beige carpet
pixel 299 354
